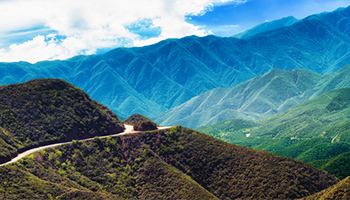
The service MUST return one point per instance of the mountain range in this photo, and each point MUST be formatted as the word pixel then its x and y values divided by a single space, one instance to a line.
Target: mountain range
pixel 152 79
pixel 267 26
pixel 315 131
pixel 255 99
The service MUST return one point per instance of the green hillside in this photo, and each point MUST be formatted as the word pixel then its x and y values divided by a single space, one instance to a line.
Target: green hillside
pixel 338 165
pixel 314 130
pixel 45 111
pixel 177 163
pixel 260 97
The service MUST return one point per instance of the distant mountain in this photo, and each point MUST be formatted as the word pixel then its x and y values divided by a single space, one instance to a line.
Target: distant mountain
pixel 47 111
pixel 315 131
pixel 339 191
pixel 150 80
pixel 177 163
pixel 268 26
pixel 255 99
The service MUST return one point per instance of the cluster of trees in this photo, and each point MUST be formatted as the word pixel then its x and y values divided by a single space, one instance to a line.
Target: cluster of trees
pixel 141 123
pixel 176 163
pixel 44 111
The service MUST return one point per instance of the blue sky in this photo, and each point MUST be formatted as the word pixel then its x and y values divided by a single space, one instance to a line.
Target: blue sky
pixel 35 30
pixel 229 19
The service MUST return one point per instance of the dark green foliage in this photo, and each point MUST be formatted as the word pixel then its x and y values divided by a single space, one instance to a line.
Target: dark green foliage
pixel 145 126
pixel 135 118
pixel 340 102
pixel 337 165
pixel 141 123
pixel 177 163
pixel 45 111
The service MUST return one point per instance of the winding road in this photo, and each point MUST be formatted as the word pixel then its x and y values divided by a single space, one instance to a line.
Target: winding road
pixel 128 130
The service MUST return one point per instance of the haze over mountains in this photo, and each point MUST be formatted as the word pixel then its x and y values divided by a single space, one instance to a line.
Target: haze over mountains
pixel 255 99
pixel 152 79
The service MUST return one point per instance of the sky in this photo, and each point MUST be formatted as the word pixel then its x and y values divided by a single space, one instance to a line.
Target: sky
pixel 36 30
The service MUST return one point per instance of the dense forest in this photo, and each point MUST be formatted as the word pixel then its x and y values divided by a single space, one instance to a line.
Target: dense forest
pixel 176 163
pixel 45 111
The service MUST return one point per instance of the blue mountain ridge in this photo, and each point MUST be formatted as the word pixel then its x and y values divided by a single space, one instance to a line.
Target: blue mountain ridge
pixel 255 99
pixel 267 26
pixel 152 79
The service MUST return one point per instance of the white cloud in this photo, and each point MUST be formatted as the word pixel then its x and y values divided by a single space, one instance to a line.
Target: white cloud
pixel 88 25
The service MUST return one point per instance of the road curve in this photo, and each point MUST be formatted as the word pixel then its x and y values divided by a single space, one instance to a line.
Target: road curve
pixel 128 130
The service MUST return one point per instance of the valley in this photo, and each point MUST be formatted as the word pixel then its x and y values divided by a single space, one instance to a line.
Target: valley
pixel 271 109
pixel 315 131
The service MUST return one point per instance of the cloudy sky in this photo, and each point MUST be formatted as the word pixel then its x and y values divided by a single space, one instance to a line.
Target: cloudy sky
pixel 35 30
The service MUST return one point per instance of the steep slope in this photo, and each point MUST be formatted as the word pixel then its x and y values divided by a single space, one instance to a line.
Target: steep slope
pixel 178 163
pixel 45 111
pixel 268 26
pixel 338 165
pixel 339 191
pixel 314 130
pixel 152 79
pixel 255 99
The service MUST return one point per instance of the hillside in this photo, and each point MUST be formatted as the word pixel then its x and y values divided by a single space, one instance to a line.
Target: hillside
pixel 141 123
pixel 177 163
pixel 311 131
pixel 255 99
pixel 132 80
pixel 338 165
pixel 46 111
pixel 339 191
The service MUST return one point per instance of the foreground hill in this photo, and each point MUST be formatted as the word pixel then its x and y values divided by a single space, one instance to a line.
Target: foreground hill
pixel 255 99
pixel 47 111
pixel 314 130
pixel 338 191
pixel 132 80
pixel 177 163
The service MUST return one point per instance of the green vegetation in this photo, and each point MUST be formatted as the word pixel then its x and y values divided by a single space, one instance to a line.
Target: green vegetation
pixel 311 132
pixel 141 123
pixel 177 163
pixel 45 111
pixel 338 165
pixel 258 98
pixel 145 126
